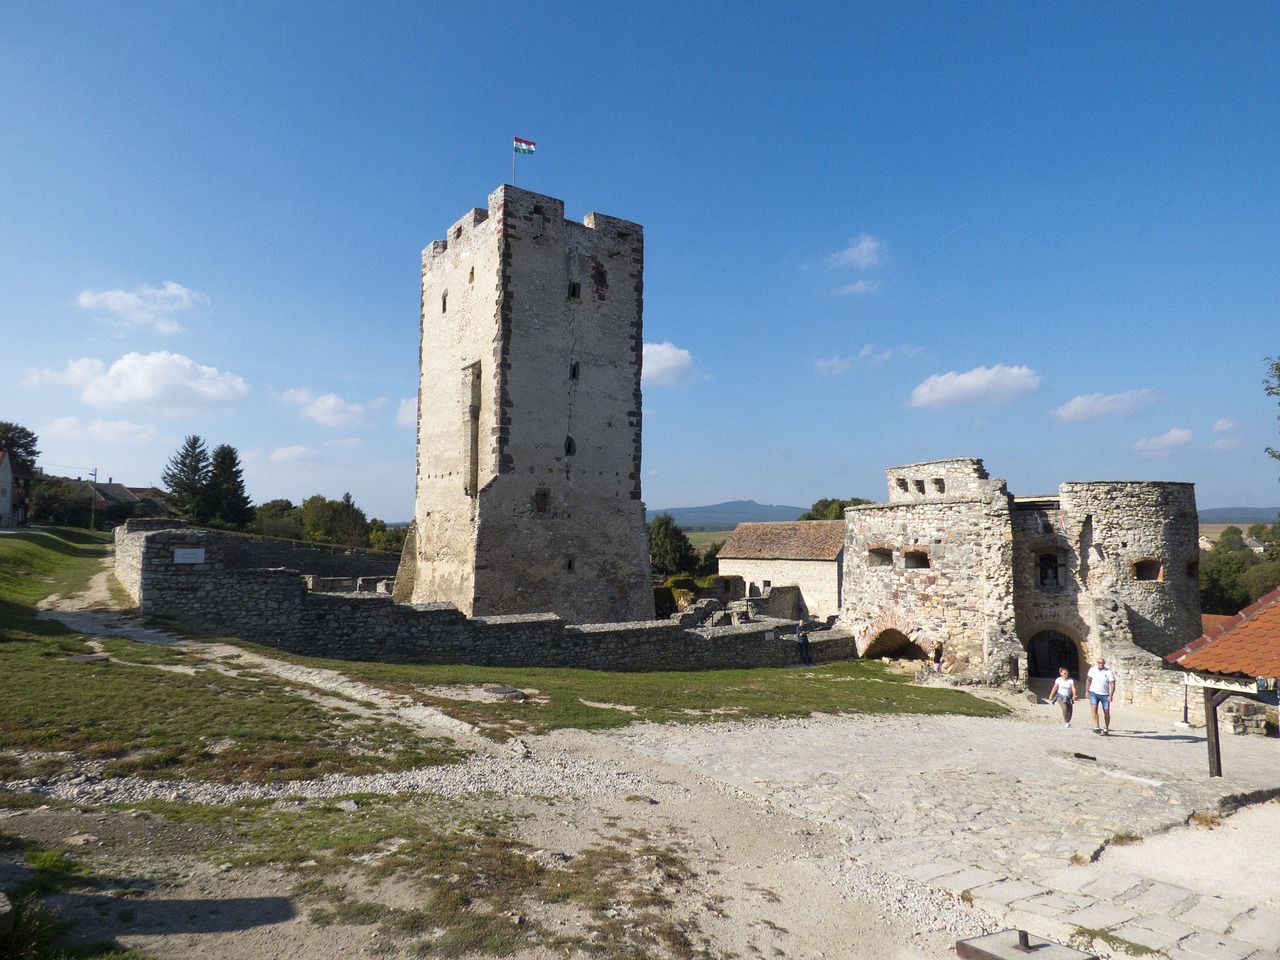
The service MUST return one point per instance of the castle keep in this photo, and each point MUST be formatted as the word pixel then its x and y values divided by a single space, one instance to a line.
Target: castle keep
pixel 1022 585
pixel 528 472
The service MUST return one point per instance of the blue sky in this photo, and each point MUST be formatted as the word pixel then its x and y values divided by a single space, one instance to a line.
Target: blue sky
pixel 1044 234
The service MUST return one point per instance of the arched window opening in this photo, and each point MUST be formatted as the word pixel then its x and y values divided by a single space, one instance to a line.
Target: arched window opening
pixel 879 557
pixel 444 301
pixel 573 370
pixel 1050 570
pixel 570 448
pixel 575 291
pixel 916 560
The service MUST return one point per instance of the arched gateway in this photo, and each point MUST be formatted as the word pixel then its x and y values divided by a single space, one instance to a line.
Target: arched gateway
pixel 896 645
pixel 1049 651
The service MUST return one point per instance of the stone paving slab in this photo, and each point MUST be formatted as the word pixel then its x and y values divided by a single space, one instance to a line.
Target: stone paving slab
pixel 1101 916
pixel 958 883
pixel 932 870
pixel 1201 946
pixel 1158 933
pixel 1053 904
pixel 1214 914
pixel 1114 886
pixel 1166 898
pixel 1004 892
pixel 1261 927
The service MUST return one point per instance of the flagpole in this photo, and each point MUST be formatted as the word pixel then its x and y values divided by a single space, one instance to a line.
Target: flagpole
pixel 513 165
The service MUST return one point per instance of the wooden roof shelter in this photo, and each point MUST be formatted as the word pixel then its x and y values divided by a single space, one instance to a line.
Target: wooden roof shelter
pixel 1240 657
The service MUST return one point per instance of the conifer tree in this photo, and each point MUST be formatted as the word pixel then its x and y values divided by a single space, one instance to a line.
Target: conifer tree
pixel 186 478
pixel 225 496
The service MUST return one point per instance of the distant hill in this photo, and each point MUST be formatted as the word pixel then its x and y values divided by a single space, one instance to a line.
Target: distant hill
pixel 726 516
pixel 1239 515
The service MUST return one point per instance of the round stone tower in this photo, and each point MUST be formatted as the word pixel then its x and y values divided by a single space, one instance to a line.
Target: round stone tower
pixel 1138 559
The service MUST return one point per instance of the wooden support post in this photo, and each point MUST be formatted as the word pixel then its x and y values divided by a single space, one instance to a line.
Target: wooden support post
pixel 1211 732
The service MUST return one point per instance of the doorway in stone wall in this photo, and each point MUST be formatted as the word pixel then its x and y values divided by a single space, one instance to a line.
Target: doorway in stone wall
pixel 1049 651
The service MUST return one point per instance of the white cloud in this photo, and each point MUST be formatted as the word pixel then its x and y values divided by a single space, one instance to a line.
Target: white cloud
pixel 861 286
pixel 1164 444
pixel 666 365
pixel 1226 443
pixel 874 354
pixel 981 387
pixel 833 366
pixel 105 431
pixel 1225 425
pixel 863 253
pixel 1100 406
pixel 328 409
pixel 407 412
pixel 290 454
pixel 144 307
pixel 161 382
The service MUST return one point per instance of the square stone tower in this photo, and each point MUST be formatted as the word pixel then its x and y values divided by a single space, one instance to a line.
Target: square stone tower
pixel 528 476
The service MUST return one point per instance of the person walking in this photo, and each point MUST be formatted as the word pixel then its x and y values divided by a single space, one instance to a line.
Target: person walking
pixel 802 641
pixel 1102 687
pixel 937 658
pixel 1064 693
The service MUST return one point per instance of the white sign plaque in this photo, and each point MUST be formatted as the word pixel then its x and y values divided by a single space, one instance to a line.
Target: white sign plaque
pixel 188 554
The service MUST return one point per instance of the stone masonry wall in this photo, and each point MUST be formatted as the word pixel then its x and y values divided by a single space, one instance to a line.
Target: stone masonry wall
pixel 272 607
pixel 528 484
pixel 932 564
pixel 818 580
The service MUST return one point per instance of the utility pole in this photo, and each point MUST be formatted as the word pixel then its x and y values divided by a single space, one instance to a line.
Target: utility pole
pixel 93 499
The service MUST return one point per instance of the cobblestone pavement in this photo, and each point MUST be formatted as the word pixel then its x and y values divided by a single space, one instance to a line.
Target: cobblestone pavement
pixel 1012 813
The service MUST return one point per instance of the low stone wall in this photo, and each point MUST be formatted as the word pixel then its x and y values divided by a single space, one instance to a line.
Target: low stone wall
pixel 185 575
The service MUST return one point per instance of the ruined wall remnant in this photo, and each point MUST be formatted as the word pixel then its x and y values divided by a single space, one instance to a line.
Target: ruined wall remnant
pixel 528 477
pixel 1024 585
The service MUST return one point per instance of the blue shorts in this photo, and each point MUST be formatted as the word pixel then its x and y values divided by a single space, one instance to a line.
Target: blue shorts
pixel 1103 699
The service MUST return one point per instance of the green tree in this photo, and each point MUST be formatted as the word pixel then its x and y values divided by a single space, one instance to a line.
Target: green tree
pixel 350 525
pixel 708 559
pixel 670 551
pixel 278 518
pixel 317 519
pixel 1230 540
pixel 1260 579
pixel 186 479
pixel 1221 589
pixel 828 509
pixel 20 442
pixel 385 538
pixel 224 494
pixel 55 501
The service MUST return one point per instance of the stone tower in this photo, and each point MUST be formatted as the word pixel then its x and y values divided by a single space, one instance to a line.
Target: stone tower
pixel 528 475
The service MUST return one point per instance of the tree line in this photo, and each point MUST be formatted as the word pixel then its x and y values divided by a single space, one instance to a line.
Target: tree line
pixel 204 488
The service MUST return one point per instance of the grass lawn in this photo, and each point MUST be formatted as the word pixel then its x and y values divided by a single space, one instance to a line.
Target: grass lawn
pixel 205 724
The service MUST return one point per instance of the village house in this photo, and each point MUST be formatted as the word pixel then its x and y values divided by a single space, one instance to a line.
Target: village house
pixel 808 554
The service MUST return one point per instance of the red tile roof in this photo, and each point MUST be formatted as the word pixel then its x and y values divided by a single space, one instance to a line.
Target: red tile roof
pixel 1248 644
pixel 786 540
pixel 1211 621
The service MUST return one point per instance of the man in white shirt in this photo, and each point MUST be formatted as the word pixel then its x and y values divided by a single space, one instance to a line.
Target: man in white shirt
pixel 1102 687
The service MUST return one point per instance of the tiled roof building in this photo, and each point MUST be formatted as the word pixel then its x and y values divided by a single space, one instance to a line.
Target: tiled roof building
pixel 808 554
pixel 1248 644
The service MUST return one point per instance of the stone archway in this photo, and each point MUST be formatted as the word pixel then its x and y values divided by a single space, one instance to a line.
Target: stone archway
pixel 895 645
pixel 1050 650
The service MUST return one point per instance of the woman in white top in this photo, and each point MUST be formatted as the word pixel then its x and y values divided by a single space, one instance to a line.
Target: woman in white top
pixel 1064 692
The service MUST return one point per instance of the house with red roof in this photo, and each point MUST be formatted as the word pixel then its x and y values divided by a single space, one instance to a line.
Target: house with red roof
pixel 808 554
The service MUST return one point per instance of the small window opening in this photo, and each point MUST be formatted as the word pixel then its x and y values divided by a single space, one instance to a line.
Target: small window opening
pixel 457 232
pixel 575 291
pixel 471 278
pixel 570 448
pixel 879 557
pixel 765 584
pixel 537 209
pixel 573 370
pixel 902 485
pixel 1049 570
pixel 568 564
pixel 444 301
pixel 916 560
pixel 541 501
pixel 919 486
pixel 624 235
pixel 1193 570
pixel 939 485
pixel 1148 568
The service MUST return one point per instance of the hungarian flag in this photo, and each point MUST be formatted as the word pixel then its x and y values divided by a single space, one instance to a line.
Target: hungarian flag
pixel 525 146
